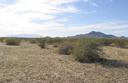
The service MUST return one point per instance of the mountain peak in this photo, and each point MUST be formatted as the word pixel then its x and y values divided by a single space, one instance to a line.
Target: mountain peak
pixel 99 35
pixel 94 34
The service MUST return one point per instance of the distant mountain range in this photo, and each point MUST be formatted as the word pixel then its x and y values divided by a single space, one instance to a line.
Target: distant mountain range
pixel 95 34
pixel 92 34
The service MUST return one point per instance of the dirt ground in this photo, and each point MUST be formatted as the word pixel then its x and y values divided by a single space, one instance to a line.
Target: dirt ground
pixel 28 63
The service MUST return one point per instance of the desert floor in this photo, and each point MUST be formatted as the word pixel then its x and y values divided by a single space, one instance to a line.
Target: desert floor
pixel 28 63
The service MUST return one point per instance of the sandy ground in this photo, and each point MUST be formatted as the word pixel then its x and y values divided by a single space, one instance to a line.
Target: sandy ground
pixel 30 64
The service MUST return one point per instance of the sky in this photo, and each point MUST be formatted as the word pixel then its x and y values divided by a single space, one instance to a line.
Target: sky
pixel 63 17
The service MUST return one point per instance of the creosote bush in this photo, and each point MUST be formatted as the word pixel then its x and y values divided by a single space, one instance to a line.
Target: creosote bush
pixel 105 42
pixel 120 43
pixel 87 51
pixel 65 48
pixel 42 44
pixel 2 39
pixel 12 41
pixel 55 45
pixel 33 41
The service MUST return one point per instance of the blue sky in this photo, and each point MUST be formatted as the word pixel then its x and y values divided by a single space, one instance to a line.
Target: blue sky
pixel 63 17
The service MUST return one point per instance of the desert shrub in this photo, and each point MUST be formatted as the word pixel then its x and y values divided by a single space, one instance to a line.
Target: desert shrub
pixel 55 45
pixel 105 42
pixel 120 43
pixel 51 41
pixel 12 41
pixel 65 48
pixel 42 43
pixel 33 41
pixel 1 40
pixel 87 51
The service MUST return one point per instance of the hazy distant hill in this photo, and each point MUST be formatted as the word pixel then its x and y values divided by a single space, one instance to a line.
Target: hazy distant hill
pixel 95 34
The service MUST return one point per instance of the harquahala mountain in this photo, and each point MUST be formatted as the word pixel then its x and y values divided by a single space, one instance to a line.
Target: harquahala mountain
pixel 95 34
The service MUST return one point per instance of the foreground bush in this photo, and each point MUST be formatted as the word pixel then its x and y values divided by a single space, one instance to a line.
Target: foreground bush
pixel 12 41
pixel 87 51
pixel 65 49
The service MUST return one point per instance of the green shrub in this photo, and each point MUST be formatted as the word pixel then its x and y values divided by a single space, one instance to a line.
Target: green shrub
pixel 87 51
pixel 1 39
pixel 42 44
pixel 66 49
pixel 120 43
pixel 56 40
pixel 55 45
pixel 33 41
pixel 105 42
pixel 12 41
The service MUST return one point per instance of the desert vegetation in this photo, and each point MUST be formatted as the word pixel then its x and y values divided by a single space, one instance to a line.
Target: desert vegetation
pixel 30 62
pixel 12 41
pixel 66 48
pixel 87 51
pixel 42 43
pixel 122 43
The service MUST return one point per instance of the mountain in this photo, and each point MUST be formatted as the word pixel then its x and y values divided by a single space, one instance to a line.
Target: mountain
pixel 26 35
pixel 100 35
pixel 95 34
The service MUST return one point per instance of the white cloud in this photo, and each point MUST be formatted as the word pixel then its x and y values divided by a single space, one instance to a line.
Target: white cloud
pixel 63 19
pixel 17 18
pixel 116 28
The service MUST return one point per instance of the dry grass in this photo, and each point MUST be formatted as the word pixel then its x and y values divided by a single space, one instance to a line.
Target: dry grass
pixel 116 53
pixel 30 64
